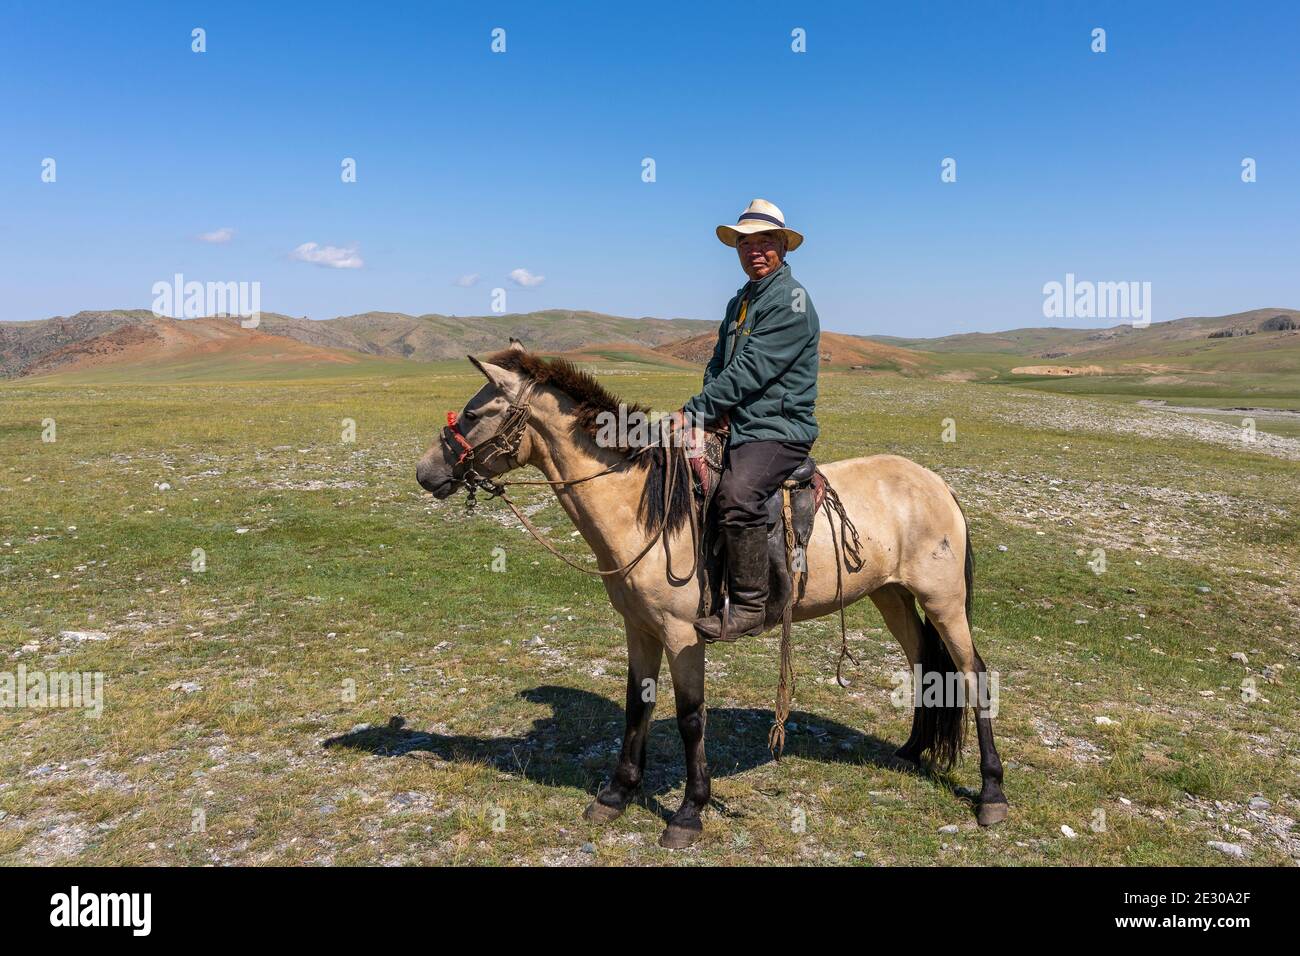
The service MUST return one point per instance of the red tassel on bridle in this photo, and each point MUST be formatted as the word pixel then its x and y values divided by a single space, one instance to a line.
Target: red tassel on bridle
pixel 455 433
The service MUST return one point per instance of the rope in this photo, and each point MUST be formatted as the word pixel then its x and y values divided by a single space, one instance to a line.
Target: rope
pixel 850 545
pixel 670 479
pixel 785 682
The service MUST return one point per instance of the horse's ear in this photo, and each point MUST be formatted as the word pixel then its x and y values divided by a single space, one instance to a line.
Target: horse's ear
pixel 516 345
pixel 495 374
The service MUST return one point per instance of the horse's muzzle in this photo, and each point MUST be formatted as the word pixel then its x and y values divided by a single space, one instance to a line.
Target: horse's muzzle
pixel 438 485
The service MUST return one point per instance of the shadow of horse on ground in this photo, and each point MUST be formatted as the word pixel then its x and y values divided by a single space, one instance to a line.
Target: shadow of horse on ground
pixel 578 745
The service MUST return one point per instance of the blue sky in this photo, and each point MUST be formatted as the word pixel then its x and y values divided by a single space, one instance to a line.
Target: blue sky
pixel 1123 165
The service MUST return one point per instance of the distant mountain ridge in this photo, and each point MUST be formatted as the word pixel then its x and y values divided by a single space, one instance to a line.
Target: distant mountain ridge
pixel 105 337
pixel 837 351
pixel 24 344
pixel 121 343
pixel 1117 341
pixel 432 337
pixel 148 342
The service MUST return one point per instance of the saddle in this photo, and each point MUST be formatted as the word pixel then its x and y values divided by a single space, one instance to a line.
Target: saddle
pixel 807 488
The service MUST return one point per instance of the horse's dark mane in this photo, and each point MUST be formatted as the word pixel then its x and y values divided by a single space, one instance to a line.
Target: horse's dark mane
pixel 591 399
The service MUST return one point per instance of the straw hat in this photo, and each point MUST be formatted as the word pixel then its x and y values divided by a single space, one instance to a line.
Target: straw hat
pixel 761 216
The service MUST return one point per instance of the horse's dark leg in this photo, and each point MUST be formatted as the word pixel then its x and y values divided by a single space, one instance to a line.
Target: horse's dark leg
pixel 911 751
pixel 644 655
pixel 898 608
pixel 993 802
pixel 687 665
pixel 950 621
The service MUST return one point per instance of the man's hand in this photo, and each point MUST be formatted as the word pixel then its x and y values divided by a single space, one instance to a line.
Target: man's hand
pixel 678 430
pixel 674 422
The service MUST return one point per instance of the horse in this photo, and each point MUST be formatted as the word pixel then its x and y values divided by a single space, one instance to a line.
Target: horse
pixel 915 549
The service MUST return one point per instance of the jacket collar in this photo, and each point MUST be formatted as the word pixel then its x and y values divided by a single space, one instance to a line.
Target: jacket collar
pixel 756 287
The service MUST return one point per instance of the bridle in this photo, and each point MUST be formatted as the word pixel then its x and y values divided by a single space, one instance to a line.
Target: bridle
pixel 505 441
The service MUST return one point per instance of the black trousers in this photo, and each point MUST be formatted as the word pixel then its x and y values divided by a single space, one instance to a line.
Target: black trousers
pixel 750 473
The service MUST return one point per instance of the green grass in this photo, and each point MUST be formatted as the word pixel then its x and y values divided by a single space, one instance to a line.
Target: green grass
pixel 1255 370
pixel 237 368
pixel 510 684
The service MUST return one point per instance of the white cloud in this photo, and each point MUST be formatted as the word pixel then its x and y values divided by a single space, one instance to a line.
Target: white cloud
pixel 466 281
pixel 525 278
pixel 224 234
pixel 331 257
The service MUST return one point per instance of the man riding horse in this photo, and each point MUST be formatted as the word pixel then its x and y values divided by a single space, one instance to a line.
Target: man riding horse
pixel 544 413
pixel 762 383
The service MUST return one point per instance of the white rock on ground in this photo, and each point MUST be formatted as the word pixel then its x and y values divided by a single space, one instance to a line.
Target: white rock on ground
pixel 1230 849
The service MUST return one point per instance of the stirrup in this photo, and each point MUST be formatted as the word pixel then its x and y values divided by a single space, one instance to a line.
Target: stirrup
pixel 727 633
pixel 723 635
pixel 720 616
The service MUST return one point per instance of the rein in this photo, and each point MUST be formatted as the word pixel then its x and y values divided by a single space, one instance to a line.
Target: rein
pixel 505 441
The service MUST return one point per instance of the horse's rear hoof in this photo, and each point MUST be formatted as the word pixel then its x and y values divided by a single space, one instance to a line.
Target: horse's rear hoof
pixel 677 837
pixel 908 756
pixel 598 812
pixel 991 813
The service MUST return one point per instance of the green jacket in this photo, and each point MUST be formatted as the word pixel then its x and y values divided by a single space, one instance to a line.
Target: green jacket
pixel 767 382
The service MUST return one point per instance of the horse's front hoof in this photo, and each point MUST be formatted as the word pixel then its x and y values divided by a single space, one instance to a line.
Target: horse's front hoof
pixel 598 812
pixel 991 813
pixel 678 837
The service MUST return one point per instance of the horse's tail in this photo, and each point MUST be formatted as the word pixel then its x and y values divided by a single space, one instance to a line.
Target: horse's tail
pixel 943 728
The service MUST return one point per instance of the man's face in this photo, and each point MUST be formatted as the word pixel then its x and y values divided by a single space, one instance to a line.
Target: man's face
pixel 760 253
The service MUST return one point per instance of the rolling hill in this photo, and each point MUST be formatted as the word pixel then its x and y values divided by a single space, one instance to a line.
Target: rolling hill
pixel 23 344
pixel 428 338
pixel 1248 355
pixel 1245 357
pixel 838 351
pixel 197 349
pixel 138 339
pixel 1118 341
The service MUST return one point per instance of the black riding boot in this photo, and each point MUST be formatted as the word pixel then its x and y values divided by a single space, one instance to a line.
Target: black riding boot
pixel 746 587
